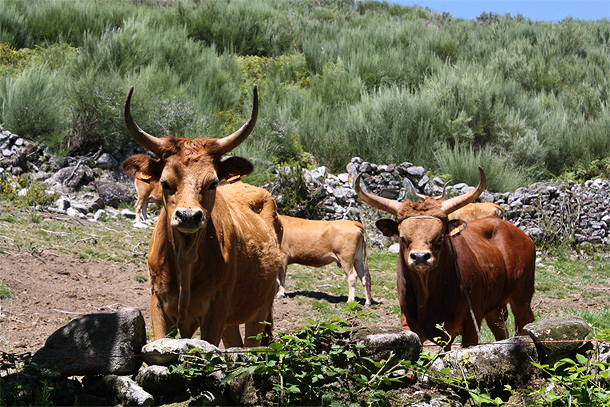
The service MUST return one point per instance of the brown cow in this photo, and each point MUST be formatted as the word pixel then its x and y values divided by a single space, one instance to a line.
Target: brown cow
pixel 215 250
pixel 147 190
pixel 316 243
pixel 494 259
pixel 477 210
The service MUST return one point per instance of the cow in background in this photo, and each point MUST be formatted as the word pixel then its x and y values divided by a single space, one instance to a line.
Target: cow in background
pixel 147 190
pixel 215 251
pixel 316 243
pixel 477 210
pixel 452 275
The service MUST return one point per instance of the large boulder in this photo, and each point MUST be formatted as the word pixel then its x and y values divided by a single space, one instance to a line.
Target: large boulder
pixel 96 344
pixel 114 193
pixel 488 364
pixel 559 337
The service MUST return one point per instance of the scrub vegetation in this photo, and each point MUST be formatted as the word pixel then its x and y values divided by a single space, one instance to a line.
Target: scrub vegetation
pixel 337 79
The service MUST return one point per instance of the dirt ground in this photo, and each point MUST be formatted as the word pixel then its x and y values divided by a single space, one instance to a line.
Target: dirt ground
pixel 49 289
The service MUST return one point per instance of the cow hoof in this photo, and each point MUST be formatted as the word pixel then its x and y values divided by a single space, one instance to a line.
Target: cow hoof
pixel 280 295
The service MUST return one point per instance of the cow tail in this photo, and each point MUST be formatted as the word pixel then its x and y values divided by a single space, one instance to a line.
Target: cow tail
pixel 268 329
pixel 364 242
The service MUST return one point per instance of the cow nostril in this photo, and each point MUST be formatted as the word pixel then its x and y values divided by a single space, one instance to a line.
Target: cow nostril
pixel 189 217
pixel 420 257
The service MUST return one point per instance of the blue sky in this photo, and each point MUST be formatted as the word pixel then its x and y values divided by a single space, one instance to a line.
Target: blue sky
pixel 535 10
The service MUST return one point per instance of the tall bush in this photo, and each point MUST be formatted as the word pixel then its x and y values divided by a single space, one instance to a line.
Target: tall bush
pixel 33 105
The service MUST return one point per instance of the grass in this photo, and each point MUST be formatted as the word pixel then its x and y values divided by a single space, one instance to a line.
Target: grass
pixel 578 283
pixel 5 292
pixel 112 240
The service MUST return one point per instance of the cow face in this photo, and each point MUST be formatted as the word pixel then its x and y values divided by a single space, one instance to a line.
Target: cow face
pixel 421 226
pixel 188 170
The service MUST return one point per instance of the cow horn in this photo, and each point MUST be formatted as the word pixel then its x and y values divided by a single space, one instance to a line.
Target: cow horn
pixel 420 196
pixel 414 192
pixel 387 205
pixel 228 143
pixel 151 143
pixel 444 191
pixel 453 204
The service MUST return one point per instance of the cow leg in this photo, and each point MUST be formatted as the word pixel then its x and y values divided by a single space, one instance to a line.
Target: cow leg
pixel 231 337
pixel 144 210
pixel 140 213
pixel 523 314
pixel 496 322
pixel 161 323
pixel 281 282
pixel 469 334
pixel 261 324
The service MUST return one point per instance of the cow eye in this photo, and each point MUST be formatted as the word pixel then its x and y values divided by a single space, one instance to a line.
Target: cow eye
pixel 213 186
pixel 404 242
pixel 166 187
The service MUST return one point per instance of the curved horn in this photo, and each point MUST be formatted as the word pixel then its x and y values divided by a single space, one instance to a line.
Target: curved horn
pixel 444 190
pixel 453 204
pixel 228 143
pixel 387 205
pixel 151 143
pixel 414 192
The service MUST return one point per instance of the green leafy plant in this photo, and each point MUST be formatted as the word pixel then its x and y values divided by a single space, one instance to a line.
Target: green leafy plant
pixel 20 382
pixel 294 196
pixel 313 365
pixel 578 382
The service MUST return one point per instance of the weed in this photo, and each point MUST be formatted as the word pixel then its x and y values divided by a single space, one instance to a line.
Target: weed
pixel 5 292
pixel 577 382
pixel 140 278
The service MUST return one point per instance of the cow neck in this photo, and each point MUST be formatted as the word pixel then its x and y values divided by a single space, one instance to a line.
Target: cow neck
pixel 186 245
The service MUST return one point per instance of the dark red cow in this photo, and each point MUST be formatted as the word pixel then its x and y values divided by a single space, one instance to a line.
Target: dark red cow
pixel 494 258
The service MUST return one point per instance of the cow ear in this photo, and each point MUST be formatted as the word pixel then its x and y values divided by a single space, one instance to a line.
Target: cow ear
pixel 233 169
pixel 142 167
pixel 388 227
pixel 455 227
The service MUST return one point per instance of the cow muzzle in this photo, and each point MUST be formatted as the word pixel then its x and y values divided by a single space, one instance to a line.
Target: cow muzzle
pixel 188 220
pixel 420 260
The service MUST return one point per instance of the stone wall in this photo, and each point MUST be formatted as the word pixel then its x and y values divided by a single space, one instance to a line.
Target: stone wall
pixel 551 212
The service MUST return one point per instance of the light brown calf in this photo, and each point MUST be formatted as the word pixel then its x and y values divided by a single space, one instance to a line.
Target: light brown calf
pixel 317 243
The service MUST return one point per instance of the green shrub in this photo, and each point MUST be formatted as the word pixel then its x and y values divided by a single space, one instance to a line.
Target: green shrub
pixel 33 105
pixel 463 166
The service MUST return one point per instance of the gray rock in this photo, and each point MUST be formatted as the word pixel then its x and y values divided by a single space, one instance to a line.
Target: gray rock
pixel 96 344
pixel 114 193
pixel 167 351
pixel 119 390
pixel 158 380
pixel 72 177
pixel 558 337
pixel 498 362
pixel 107 162
pixel 383 342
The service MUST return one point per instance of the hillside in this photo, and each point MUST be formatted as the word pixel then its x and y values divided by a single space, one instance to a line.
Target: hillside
pixel 337 79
